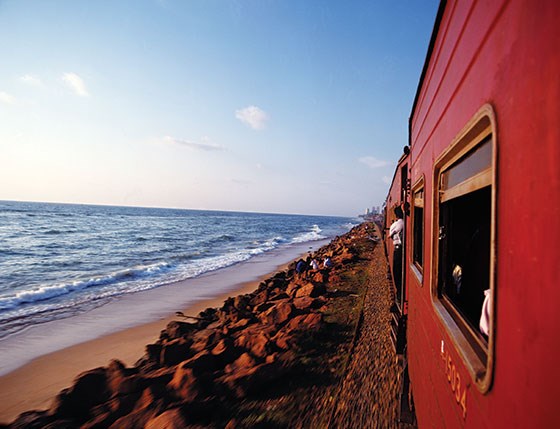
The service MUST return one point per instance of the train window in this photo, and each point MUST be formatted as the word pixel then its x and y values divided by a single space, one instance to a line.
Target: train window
pixel 464 249
pixel 418 226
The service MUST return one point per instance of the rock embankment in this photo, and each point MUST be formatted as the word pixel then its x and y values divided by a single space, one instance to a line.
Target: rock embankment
pixel 271 358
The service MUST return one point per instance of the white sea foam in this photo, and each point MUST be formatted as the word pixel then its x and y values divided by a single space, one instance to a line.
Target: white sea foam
pixel 313 235
pixel 143 277
pixel 43 293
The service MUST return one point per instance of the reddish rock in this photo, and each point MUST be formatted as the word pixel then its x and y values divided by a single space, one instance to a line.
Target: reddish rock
pixel 176 329
pixel 89 389
pixel 319 277
pixel 100 421
pixel 271 358
pixel 191 379
pixel 32 419
pixel 240 324
pixel 284 341
pixel 259 298
pixel 306 303
pixel 261 308
pixel 172 419
pixel 191 386
pixel 311 289
pixel 277 314
pixel 175 351
pixel 246 381
pixel 151 397
pixel 257 342
pixel 292 288
pixel 153 352
pixel 116 373
pixel 123 404
pixel 134 383
pixel 137 419
pixel 240 302
pixel 185 384
pixel 203 362
pixel 160 376
pixel 225 351
pixel 244 362
pixel 346 256
pixel 280 295
pixel 204 339
pixel 308 322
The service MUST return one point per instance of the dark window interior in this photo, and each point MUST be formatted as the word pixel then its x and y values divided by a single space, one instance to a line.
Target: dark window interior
pixel 464 249
pixel 418 231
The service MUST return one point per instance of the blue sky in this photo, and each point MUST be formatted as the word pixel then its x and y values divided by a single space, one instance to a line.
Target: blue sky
pixel 269 106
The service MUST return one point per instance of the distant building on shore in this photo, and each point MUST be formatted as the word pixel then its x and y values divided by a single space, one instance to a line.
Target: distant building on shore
pixel 370 213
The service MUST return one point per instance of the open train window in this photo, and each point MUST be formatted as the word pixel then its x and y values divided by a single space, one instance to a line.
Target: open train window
pixel 418 226
pixel 464 252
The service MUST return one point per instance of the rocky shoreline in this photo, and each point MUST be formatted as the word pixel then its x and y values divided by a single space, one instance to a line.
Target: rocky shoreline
pixel 271 358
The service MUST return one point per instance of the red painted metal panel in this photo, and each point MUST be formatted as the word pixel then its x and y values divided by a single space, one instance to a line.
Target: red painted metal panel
pixel 505 54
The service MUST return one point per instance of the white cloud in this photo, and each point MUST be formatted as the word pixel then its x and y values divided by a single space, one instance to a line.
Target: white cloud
pixel 76 84
pixel 31 80
pixel 372 162
pixel 205 144
pixel 7 98
pixel 253 116
pixel 386 179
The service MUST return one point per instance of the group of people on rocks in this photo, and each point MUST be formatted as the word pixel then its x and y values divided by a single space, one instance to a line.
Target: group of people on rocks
pixel 312 264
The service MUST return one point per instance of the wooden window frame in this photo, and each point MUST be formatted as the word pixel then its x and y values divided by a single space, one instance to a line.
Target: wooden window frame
pixel 480 127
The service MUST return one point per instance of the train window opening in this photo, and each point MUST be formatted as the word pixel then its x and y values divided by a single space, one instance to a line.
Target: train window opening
pixel 465 255
pixel 464 207
pixel 418 228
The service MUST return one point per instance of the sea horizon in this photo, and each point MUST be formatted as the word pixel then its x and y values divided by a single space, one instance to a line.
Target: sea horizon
pixel 175 208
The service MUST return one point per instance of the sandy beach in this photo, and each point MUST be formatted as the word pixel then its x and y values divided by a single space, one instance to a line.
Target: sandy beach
pixel 35 384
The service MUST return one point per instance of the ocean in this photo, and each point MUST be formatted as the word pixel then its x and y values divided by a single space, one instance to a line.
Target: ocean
pixel 61 260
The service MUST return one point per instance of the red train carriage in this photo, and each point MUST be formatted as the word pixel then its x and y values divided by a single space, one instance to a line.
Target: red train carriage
pixel 396 199
pixel 481 260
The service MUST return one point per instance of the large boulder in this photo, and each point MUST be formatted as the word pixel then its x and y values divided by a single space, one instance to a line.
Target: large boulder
pixel 89 389
pixel 277 314
pixel 306 303
pixel 311 322
pixel 171 419
pixel 256 341
pixel 312 290
pixel 175 351
pixel 225 351
pixel 204 339
pixel 176 329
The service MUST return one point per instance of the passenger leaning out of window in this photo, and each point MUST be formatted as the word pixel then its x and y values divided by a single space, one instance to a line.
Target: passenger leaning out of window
pixel 395 232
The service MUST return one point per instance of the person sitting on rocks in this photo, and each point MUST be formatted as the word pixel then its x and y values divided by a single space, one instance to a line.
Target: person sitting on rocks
pixel 300 266
pixel 314 264
pixel 327 263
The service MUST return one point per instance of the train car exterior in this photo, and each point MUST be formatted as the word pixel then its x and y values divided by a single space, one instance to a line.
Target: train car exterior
pixel 397 197
pixel 483 221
